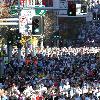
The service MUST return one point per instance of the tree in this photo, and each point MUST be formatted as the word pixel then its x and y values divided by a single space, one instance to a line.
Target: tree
pixel 4 11
pixel 5 8
pixel 49 24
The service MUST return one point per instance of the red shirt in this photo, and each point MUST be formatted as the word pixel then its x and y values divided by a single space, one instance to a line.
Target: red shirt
pixel 56 84
pixel 37 98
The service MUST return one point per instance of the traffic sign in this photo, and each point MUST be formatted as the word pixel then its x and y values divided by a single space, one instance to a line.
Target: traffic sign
pixel 25 20
pixel 22 24
pixel 39 11
pixel 22 19
pixel 13 10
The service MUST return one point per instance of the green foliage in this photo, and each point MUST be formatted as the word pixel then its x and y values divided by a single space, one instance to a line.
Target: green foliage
pixel 7 34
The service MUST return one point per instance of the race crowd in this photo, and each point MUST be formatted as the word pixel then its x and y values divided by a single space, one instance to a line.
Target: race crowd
pixel 90 34
pixel 62 74
pixel 67 73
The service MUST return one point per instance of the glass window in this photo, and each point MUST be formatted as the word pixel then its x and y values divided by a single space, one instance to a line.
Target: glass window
pixel 47 3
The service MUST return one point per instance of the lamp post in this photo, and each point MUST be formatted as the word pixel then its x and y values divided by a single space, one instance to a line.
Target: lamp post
pixel 9 44
pixel 96 11
pixel 57 37
pixel 42 41
pixel 1 59
pixel 1 66
pixel 19 46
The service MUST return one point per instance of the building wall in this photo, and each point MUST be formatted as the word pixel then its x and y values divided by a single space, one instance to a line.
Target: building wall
pixel 69 27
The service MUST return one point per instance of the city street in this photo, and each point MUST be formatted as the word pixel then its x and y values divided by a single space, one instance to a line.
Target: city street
pixel 50 50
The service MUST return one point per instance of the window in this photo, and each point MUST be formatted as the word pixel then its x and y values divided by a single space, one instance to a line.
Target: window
pixel 47 3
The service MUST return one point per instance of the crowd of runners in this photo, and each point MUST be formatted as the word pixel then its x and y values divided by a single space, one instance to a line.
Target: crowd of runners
pixel 68 73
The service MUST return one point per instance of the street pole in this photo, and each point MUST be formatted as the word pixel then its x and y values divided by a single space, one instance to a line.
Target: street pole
pixel 1 61
pixel 26 49
pixel 18 4
pixel 9 52
pixel 96 11
pixel 19 52
pixel 33 50
pixel 42 20
pixel 1 66
pixel 41 41
pixel 96 16
pixel 19 47
pixel 58 43
pixel 57 26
